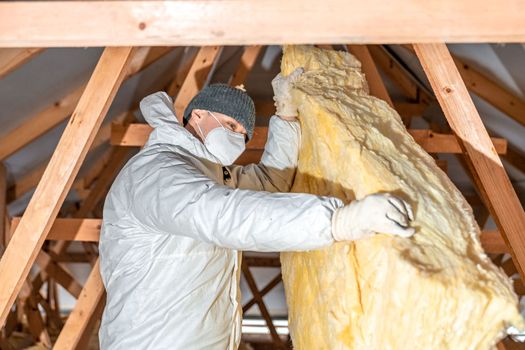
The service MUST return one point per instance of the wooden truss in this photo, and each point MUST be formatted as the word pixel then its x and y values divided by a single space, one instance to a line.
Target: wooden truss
pixel 88 104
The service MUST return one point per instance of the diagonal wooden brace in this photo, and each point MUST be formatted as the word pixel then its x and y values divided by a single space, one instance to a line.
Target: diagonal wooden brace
pixel 60 173
pixel 466 123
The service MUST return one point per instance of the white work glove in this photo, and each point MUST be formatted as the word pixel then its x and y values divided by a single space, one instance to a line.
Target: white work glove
pixel 283 99
pixel 375 213
pixel 518 335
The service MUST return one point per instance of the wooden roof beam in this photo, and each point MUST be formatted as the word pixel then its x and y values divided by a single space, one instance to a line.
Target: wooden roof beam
pixel 184 23
pixel 136 135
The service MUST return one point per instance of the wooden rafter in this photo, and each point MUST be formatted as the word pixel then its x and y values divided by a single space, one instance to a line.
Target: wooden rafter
pixel 394 71
pixel 516 158
pixel 11 59
pixel 266 289
pixel 512 155
pixel 58 177
pixel 91 175
pixel 399 74
pixel 118 157
pixel 409 110
pixel 137 134
pixel 52 269
pixel 246 64
pixel 3 208
pixel 57 112
pixel 39 124
pixel 184 23
pixel 88 230
pixel 49 269
pixel 375 83
pixel 34 317
pixel 503 100
pixel 196 77
pixel 492 242
pixel 88 306
pixel 182 72
pixel 25 183
pixel 483 86
pixel 464 120
pixel 30 180
pixel 258 297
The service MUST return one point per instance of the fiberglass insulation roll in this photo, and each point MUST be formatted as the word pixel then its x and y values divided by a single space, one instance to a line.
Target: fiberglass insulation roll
pixel 436 290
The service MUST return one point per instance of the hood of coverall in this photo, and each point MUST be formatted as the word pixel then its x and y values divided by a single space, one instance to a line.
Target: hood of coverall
pixel 157 109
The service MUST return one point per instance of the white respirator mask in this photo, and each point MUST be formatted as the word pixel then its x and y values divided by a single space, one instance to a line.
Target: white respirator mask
pixel 223 143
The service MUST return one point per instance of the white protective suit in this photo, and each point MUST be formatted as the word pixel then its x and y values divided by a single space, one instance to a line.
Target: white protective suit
pixel 174 225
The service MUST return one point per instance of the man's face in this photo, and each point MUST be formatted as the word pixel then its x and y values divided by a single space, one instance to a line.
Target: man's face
pixel 207 123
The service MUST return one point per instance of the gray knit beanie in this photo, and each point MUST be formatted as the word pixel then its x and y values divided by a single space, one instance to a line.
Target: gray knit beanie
pixel 222 98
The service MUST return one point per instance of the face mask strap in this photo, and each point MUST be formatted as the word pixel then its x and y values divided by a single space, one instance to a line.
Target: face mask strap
pixel 217 120
pixel 202 134
pixel 199 127
pixel 226 129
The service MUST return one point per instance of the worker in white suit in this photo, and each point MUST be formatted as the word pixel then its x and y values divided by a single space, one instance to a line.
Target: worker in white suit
pixel 179 215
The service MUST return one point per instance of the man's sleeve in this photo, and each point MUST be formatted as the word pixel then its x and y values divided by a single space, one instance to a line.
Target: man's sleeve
pixel 178 199
pixel 276 170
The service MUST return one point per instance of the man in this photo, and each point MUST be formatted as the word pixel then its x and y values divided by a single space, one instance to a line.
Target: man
pixel 179 214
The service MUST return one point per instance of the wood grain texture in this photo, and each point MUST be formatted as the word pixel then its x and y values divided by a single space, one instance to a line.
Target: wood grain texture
pixel 137 134
pixel 465 121
pixel 196 77
pixel 11 59
pixel 232 22
pixel 89 303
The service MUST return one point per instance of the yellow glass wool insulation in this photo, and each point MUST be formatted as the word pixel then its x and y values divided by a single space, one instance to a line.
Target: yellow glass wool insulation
pixel 437 290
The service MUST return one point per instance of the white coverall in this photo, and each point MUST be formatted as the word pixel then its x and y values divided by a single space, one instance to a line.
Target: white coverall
pixel 174 225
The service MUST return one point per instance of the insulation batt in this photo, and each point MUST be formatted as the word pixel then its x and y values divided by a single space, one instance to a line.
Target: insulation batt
pixel 436 290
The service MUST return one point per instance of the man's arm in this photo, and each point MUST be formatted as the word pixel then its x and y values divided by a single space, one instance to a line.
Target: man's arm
pixel 276 170
pixel 177 199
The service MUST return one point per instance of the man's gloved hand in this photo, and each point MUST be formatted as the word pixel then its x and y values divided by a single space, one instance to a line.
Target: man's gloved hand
pixel 286 109
pixel 381 213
